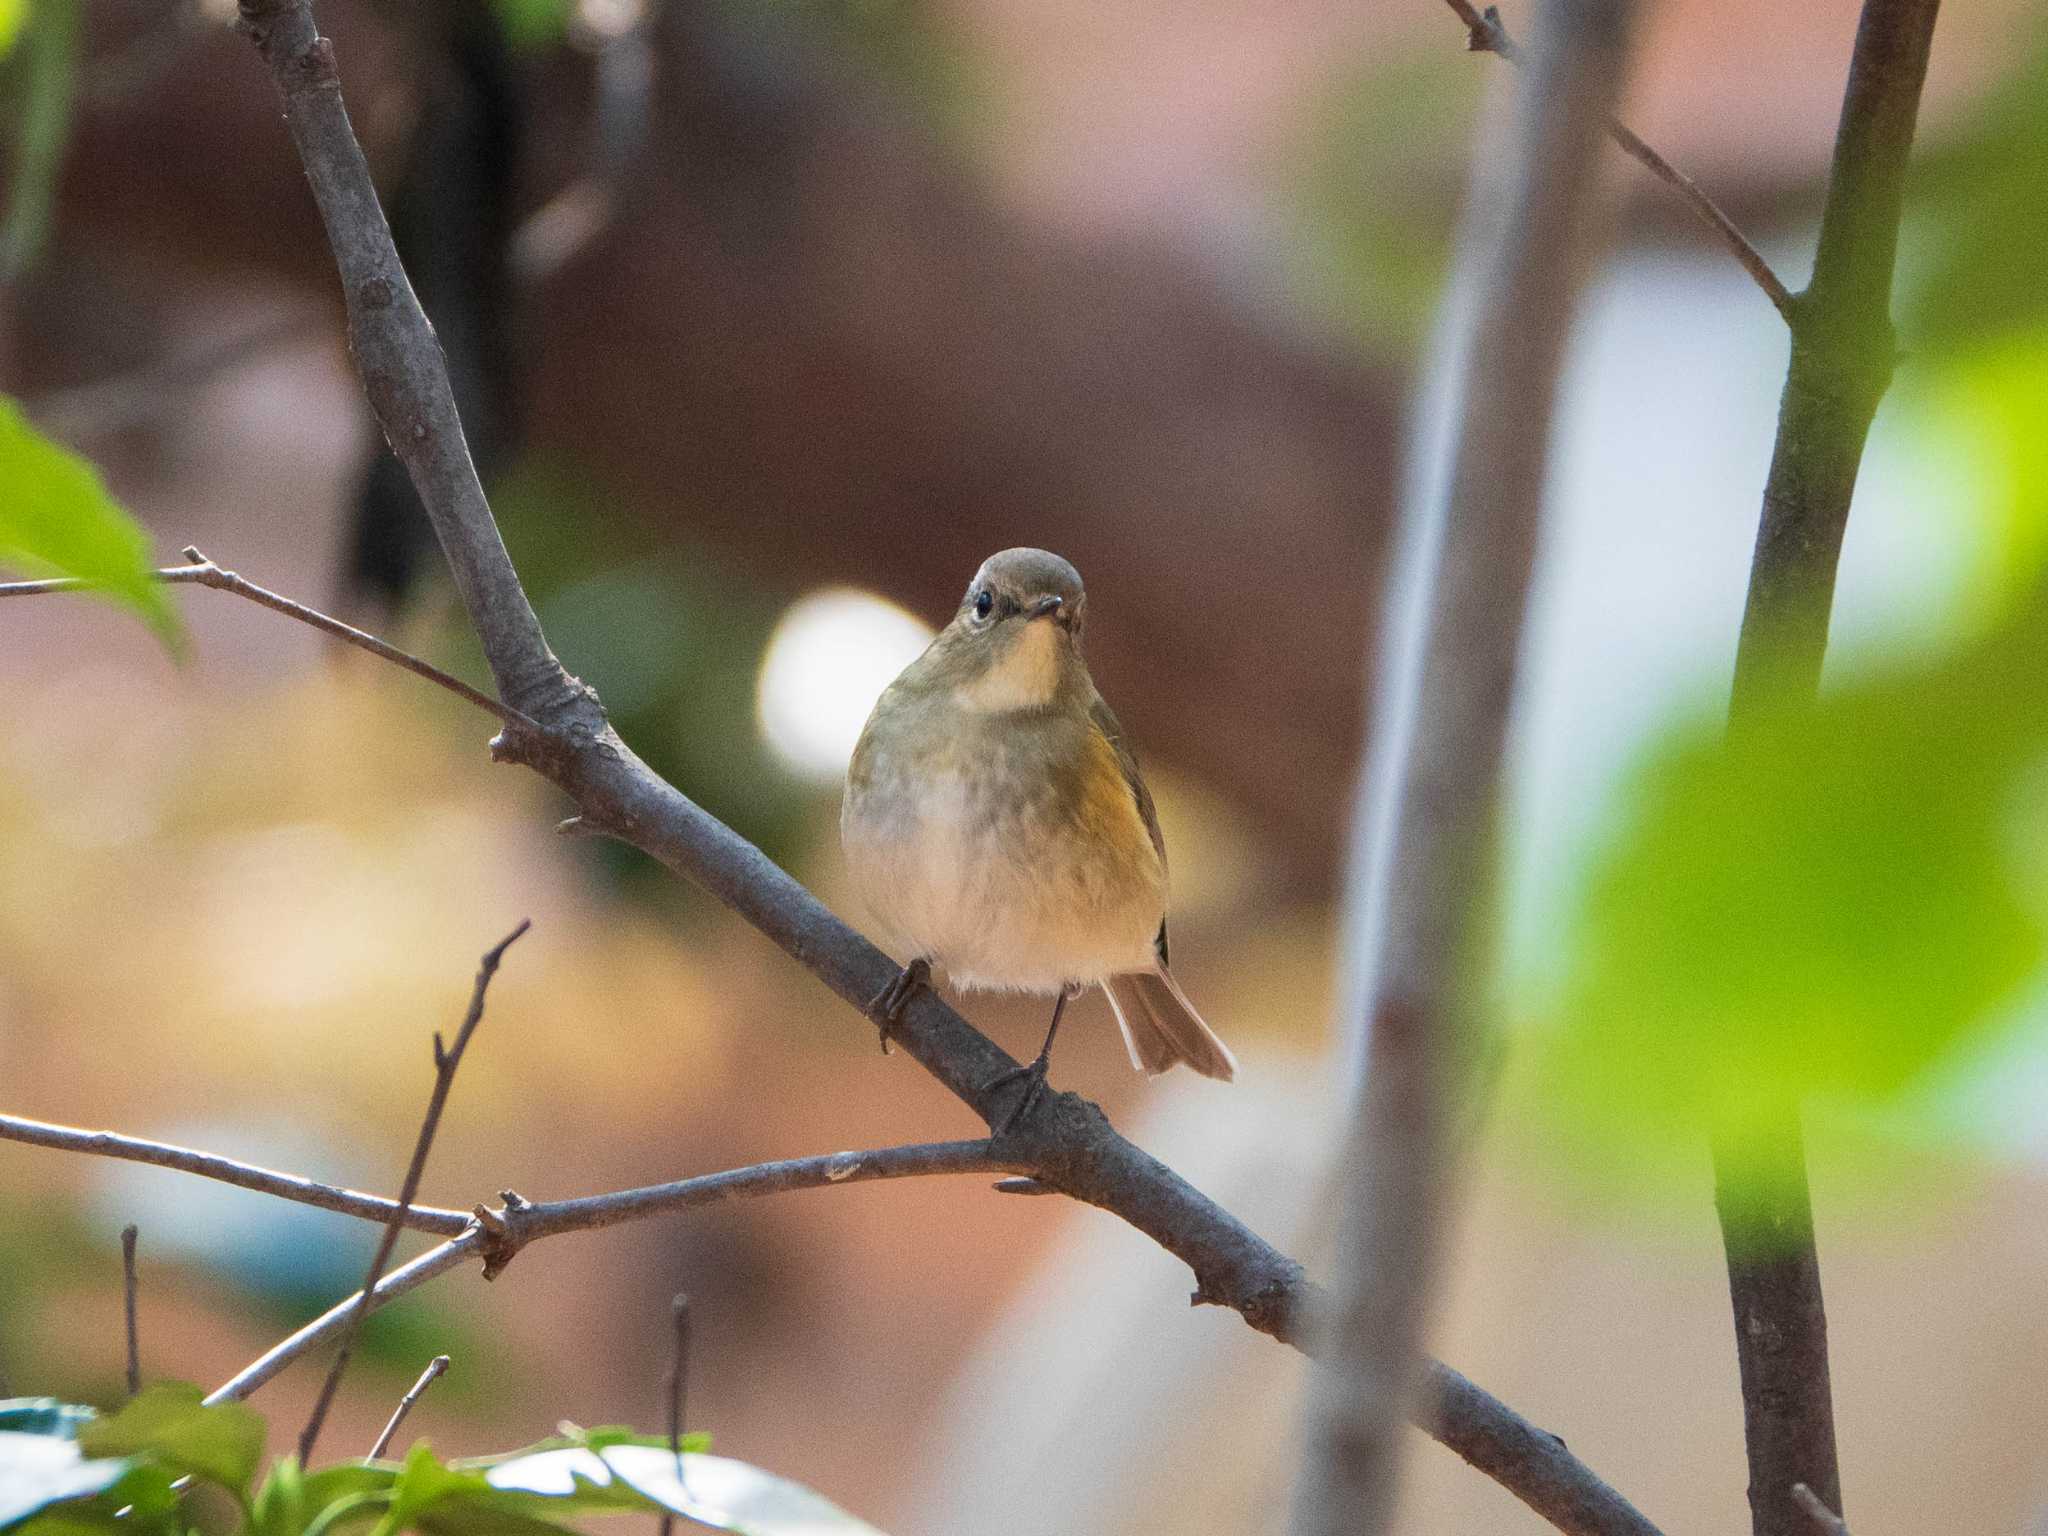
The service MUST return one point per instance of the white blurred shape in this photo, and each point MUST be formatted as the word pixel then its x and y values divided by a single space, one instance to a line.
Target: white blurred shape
pixel 827 662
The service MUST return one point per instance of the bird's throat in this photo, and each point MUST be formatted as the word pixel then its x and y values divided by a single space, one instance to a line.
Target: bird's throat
pixel 1025 676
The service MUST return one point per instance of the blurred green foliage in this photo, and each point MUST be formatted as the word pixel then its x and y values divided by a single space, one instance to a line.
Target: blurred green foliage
pixel 37 85
pixel 671 639
pixel 66 1471
pixel 1844 906
pixel 533 25
pixel 1824 907
pixel 56 519
pixel 1371 192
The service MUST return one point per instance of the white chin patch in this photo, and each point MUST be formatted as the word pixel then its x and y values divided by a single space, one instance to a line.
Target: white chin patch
pixel 1024 679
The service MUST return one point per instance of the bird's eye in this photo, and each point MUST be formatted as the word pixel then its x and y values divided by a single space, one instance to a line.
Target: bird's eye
pixel 984 602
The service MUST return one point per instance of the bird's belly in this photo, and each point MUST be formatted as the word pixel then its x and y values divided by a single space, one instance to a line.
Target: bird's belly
pixel 1018 900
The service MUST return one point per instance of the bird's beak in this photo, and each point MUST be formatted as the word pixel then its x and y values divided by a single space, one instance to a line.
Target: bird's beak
pixel 1053 608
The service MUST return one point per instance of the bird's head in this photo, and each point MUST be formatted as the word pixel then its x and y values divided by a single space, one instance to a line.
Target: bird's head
pixel 1015 643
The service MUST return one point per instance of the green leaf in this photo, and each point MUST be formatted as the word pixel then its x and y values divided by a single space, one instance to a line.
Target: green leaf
pixel 38 1470
pixel 222 1444
pixel 56 519
pixel 724 1494
pixel 1831 907
pixel 12 14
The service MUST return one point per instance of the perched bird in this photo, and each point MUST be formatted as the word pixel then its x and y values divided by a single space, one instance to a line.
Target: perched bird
pixel 996 824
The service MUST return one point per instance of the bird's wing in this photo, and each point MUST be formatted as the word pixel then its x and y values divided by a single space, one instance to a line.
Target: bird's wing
pixel 1104 719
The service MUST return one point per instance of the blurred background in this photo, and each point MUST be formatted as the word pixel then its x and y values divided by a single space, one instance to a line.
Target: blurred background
pixel 771 319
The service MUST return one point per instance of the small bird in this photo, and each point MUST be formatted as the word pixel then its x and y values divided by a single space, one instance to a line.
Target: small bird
pixel 996 824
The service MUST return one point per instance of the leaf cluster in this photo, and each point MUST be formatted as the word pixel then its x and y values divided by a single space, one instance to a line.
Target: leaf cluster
pixel 68 1471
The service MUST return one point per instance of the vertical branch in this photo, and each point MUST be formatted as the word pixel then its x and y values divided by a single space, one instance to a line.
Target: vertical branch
pixel 446 1061
pixel 1842 356
pixel 128 1236
pixel 678 1385
pixel 1483 543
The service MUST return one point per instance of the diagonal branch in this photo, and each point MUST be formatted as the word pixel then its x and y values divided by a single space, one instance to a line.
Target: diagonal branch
pixel 1486 33
pixel 447 1061
pixel 1066 1141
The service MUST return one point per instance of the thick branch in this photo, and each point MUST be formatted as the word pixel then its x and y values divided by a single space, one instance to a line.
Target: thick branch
pixel 1842 355
pixel 1486 33
pixel 1475 553
pixel 1069 1144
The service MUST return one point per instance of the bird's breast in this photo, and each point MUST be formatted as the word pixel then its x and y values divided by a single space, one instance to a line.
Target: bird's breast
pixel 1012 854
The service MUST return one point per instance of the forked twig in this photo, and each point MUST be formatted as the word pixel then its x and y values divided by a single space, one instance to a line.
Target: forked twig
pixel 1486 33
pixel 446 1061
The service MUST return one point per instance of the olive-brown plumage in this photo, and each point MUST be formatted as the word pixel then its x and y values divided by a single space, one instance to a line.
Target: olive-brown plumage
pixel 996 823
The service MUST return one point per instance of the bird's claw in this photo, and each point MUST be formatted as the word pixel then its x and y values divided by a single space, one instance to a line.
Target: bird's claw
pixel 887 1007
pixel 1034 1090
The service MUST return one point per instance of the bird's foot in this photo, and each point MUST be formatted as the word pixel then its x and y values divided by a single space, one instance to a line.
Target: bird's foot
pixel 889 1003
pixel 1033 1077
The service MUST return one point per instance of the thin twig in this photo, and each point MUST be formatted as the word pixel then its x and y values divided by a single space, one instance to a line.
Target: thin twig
pixel 1417 937
pixel 1486 33
pixel 203 572
pixel 1825 1520
pixel 226 1170
pixel 437 1260
pixel 495 1236
pixel 446 1062
pixel 1068 1144
pixel 428 1377
pixel 678 1384
pixel 128 1236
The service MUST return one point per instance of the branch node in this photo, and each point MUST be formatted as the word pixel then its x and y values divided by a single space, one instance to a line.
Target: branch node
pixel 1020 1186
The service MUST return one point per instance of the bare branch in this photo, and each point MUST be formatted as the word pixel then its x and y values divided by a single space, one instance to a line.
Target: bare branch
pixel 446 1063
pixel 494 1236
pixel 428 1377
pixel 1066 1143
pixel 203 572
pixel 1486 33
pixel 226 1170
pixel 1474 551
pixel 128 1236
pixel 1825 1520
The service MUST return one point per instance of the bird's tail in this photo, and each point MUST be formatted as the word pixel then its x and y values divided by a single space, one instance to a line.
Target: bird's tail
pixel 1161 1026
